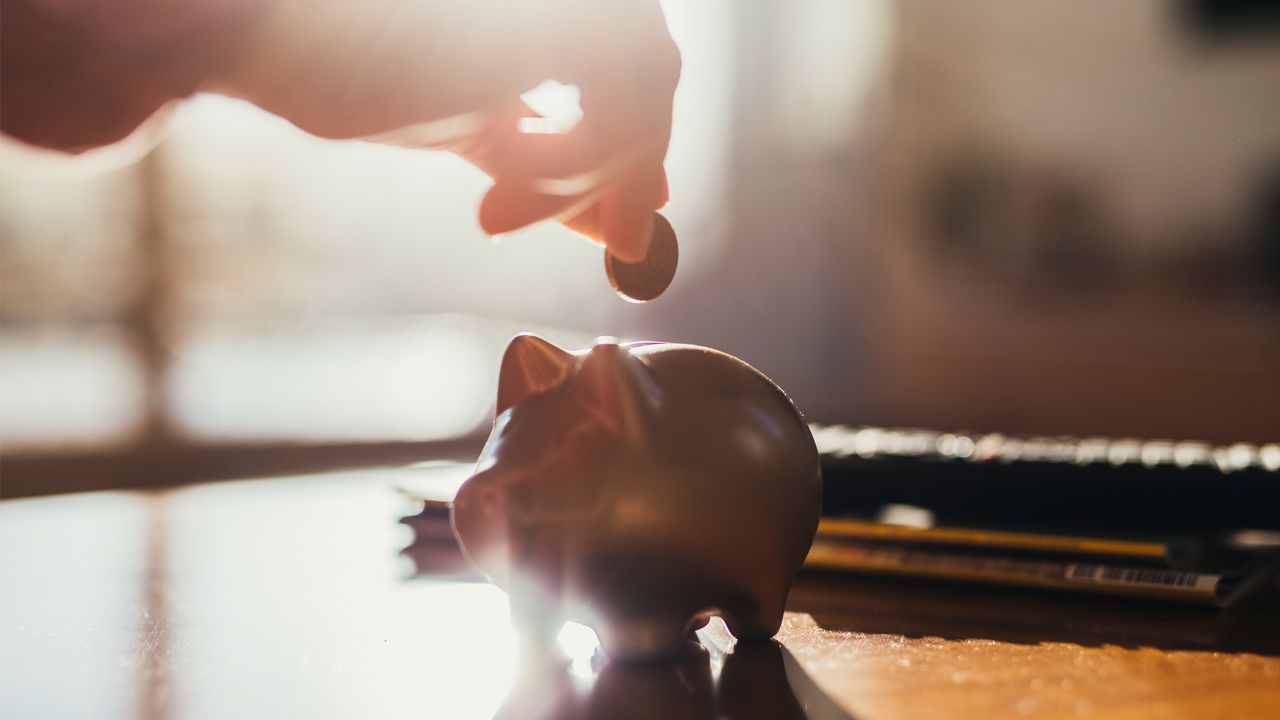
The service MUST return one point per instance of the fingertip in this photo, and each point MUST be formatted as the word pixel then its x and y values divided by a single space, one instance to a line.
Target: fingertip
pixel 626 214
pixel 586 224
pixel 506 208
pixel 628 240
pixel 493 219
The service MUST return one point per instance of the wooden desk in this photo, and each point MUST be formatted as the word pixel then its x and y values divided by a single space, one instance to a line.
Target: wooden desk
pixel 287 598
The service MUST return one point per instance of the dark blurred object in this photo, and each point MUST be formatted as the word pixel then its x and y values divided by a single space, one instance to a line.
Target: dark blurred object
pixel 1267 239
pixel 1071 223
pixel 1124 487
pixel 158 467
pixel 1224 18
pixel 1158 519
pixel 1041 230
pixel 434 550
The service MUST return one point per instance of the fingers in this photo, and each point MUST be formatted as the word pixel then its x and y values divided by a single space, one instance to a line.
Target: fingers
pixel 626 212
pixel 586 223
pixel 618 215
pixel 509 206
pixel 571 156
pixel 621 186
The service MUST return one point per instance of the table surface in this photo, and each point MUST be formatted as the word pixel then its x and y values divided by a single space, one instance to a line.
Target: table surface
pixel 289 598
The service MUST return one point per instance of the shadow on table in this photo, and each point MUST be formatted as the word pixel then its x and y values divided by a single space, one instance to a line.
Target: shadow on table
pixel 956 612
pixel 754 680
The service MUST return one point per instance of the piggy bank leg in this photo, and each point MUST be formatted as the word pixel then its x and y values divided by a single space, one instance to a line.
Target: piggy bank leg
pixel 534 586
pixel 755 620
pixel 644 637
pixel 535 617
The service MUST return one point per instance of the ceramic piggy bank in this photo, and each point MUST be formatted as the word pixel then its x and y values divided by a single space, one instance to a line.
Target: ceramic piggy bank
pixel 638 489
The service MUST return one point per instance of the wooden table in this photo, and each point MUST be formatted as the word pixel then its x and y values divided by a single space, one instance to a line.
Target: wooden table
pixel 288 598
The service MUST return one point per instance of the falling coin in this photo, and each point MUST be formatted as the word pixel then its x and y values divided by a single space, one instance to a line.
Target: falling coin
pixel 645 280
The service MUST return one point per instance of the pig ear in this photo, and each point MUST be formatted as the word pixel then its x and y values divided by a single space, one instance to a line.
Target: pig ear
pixel 531 366
pixel 616 388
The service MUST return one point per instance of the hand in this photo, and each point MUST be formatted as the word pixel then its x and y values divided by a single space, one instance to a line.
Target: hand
pixel 453 72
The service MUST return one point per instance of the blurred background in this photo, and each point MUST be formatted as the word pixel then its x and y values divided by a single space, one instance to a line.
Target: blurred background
pixel 1010 216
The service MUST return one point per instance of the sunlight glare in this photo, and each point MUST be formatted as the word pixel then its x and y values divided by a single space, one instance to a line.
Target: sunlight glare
pixel 558 106
pixel 579 644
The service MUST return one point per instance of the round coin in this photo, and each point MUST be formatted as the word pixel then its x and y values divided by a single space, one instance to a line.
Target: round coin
pixel 645 280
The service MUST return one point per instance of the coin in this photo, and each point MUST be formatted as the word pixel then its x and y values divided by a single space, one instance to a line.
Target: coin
pixel 645 280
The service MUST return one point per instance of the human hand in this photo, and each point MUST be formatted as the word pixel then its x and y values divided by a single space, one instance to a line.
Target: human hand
pixel 449 75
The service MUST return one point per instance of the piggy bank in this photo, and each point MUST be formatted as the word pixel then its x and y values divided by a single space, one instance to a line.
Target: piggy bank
pixel 639 489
